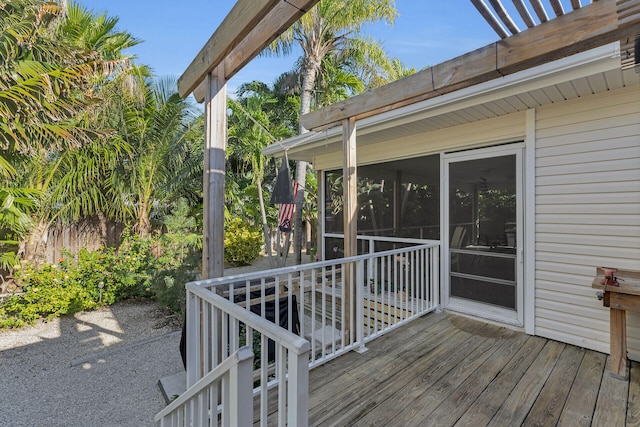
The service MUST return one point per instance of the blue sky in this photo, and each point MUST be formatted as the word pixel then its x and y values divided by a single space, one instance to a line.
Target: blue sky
pixel 427 32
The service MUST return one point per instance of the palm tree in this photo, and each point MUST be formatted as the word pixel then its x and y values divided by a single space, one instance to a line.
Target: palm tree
pixel 331 28
pixel 45 94
pixel 156 131
pixel 259 117
pixel 67 171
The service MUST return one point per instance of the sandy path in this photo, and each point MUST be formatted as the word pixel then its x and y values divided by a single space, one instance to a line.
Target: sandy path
pixel 96 368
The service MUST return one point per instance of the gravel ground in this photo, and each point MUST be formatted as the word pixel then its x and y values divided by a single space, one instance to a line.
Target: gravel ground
pixel 97 368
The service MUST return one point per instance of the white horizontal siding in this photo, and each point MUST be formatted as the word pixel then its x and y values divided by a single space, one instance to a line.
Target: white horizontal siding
pixel 587 212
pixel 508 128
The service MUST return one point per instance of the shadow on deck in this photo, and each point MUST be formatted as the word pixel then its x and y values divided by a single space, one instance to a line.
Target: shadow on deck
pixel 446 370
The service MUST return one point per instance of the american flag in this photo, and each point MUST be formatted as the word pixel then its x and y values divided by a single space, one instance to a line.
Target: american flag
pixel 285 212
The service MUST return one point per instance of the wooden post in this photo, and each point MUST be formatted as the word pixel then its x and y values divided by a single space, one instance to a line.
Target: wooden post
pixel 322 212
pixel 215 142
pixel 618 345
pixel 350 192
pixel 214 173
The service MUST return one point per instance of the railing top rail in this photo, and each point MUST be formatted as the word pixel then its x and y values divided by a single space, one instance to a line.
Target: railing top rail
pixel 242 354
pixel 305 267
pixel 291 341
pixel 386 239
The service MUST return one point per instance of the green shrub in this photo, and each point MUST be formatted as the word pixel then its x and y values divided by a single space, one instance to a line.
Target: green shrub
pixel 242 243
pixel 89 280
pixel 179 258
pixel 49 291
pixel 150 266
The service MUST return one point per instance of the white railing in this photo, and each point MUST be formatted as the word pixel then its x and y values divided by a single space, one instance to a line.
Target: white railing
pixel 336 305
pixel 216 328
pixel 231 381
pixel 339 305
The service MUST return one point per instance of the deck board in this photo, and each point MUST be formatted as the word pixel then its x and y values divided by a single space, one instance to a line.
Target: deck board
pixel 382 372
pixel 448 370
pixel 460 399
pixel 581 402
pixel 516 407
pixel 611 390
pixel 493 396
pixel 548 406
pixel 418 403
pixel 424 375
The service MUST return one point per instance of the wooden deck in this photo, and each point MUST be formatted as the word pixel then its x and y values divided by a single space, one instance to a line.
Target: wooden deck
pixel 446 370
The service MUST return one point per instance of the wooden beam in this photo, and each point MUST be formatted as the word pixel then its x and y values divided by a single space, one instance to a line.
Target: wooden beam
pixel 557 7
pixel 236 25
pixel 588 27
pixel 539 9
pixel 350 212
pixel 490 18
pixel 466 70
pixel 394 92
pixel 350 187
pixel 524 13
pixel 214 174
pixel 575 4
pixel 278 20
pixel 504 16
pixel 618 343
pixel 250 26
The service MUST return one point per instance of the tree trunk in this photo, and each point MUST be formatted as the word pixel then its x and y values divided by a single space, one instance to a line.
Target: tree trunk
pixel 265 226
pixel 102 224
pixel 32 247
pixel 143 225
pixel 308 82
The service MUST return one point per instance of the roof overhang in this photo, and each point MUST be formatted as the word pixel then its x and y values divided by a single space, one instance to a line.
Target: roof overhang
pixel 571 77
pixel 591 26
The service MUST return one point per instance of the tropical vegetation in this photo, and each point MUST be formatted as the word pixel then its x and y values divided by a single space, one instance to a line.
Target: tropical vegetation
pixel 90 136
pixel 337 61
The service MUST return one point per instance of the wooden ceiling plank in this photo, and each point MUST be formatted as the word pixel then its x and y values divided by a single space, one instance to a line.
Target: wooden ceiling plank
pixel 248 28
pixel 557 7
pixel 504 16
pixel 590 26
pixel 575 4
pixel 539 9
pixel 524 13
pixel 235 26
pixel 490 18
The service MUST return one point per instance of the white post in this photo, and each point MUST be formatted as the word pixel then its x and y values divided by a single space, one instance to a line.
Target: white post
pixel 241 388
pixel 435 277
pixel 360 286
pixel 193 337
pixel 298 399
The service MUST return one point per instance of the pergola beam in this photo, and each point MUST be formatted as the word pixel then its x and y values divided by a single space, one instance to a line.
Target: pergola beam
pixel 524 13
pixel 557 7
pixel 248 28
pixel 490 18
pixel 504 16
pixel 539 9
pixel 591 26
